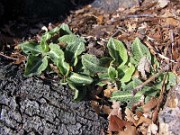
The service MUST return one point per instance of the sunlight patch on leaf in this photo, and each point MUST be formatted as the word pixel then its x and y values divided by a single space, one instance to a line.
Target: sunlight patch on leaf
pixel 80 79
pixel 117 51
pixel 57 56
pixel 126 72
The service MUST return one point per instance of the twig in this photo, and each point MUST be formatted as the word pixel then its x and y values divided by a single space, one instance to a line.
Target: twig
pixel 120 29
pixel 147 15
pixel 172 43
pixel 137 16
pixel 166 58
pixel 7 57
pixel 160 55
pixel 138 88
pixel 161 98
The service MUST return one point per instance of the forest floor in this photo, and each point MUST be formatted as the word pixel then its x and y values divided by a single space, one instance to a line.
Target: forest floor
pixel 156 24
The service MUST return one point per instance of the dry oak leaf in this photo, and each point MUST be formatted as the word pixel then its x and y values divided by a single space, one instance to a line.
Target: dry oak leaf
pixel 135 119
pixel 116 124
pixel 142 119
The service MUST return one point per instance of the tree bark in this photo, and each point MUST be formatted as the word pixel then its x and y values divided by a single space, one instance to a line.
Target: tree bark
pixel 29 106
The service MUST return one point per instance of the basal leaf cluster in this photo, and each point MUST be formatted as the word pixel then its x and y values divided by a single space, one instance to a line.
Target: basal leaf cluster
pixel 82 71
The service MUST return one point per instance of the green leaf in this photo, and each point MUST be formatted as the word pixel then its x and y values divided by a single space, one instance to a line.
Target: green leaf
pixel 91 63
pixel 57 56
pixel 79 92
pixel 112 72
pixel 54 31
pixel 75 46
pixel 35 65
pixel 126 72
pixel 31 48
pixel 73 51
pixel 71 39
pixel 100 83
pixel 127 97
pixel 47 36
pixel 103 76
pixel 171 80
pixel 79 79
pixel 117 51
pixel 44 45
pixel 132 84
pixel 139 50
pixel 155 61
pixel 64 29
pixel 105 61
pixel 126 94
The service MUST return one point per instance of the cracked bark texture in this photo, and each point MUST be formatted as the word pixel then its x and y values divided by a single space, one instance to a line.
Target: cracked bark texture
pixel 29 106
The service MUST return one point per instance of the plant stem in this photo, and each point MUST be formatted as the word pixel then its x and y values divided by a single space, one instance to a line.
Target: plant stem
pixel 138 88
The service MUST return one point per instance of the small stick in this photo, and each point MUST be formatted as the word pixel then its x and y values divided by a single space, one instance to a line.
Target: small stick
pixel 156 53
pixel 7 57
pixel 148 16
pixel 120 29
pixel 138 88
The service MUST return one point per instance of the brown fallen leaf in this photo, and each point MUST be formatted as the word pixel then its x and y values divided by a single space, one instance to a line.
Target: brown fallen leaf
pixel 142 119
pixel 142 129
pixel 144 66
pixel 116 110
pixel 129 130
pixel 150 104
pixel 116 124
pixel 129 116
pixel 100 19
pixel 110 89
